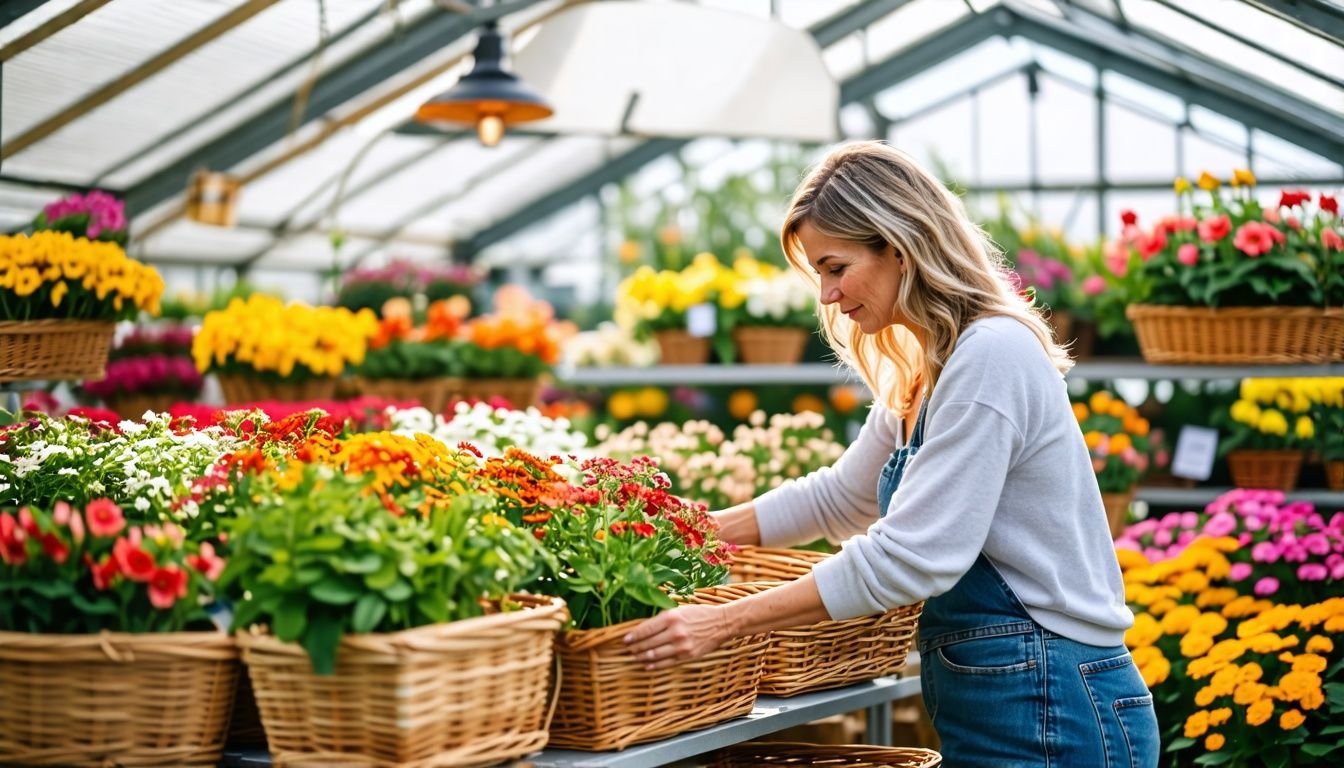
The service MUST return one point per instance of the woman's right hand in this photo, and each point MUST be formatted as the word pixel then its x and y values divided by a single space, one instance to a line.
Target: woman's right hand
pixel 737 525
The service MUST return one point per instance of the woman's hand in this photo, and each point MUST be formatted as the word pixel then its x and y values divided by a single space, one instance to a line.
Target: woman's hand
pixel 679 634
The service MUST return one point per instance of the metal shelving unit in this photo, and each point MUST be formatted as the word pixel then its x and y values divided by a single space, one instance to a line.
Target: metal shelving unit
pixel 771 714
pixel 1198 497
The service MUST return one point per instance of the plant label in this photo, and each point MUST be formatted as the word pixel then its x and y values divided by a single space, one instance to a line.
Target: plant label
pixel 1196 448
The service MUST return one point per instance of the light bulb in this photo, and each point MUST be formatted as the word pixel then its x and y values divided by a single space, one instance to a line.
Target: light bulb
pixel 490 129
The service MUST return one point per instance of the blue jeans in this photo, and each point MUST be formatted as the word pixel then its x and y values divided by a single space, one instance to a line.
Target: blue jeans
pixel 1004 692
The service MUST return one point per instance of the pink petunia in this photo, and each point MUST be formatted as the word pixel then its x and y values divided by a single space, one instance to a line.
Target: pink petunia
pixel 1220 524
pixel 1188 254
pixel 1265 552
pixel 1266 586
pixel 1240 571
pixel 1331 240
pixel 1312 572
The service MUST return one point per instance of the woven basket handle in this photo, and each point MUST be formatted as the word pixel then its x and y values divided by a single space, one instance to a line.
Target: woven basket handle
pixel 555 690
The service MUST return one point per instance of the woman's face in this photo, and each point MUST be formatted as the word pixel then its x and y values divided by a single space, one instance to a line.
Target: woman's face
pixel 862 282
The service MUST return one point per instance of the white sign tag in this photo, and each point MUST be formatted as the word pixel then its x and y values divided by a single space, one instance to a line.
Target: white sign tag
pixel 1196 448
pixel 701 320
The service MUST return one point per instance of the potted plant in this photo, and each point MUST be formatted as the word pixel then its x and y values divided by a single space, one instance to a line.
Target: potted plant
pixel 1235 281
pixel 1121 447
pixel 372 287
pixel 658 304
pixel 64 286
pixel 149 369
pixel 1267 429
pixel 416 364
pixel 263 349
pixel 772 325
pixel 506 352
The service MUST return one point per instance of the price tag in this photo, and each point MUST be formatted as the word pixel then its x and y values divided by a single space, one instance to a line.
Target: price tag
pixel 1196 448
pixel 701 320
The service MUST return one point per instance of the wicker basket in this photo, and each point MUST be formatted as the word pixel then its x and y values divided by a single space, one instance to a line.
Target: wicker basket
pixel 115 699
pixel 431 393
pixel 1236 335
pixel 608 700
pixel 54 349
pixel 1334 475
pixel 681 348
pixel 520 393
pixel 133 405
pixel 1117 510
pixel 767 345
pixel 827 654
pixel 239 390
pixel 1272 470
pixel 769 754
pixel 466 693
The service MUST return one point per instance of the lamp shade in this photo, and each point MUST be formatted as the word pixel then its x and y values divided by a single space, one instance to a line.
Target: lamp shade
pixel 487 91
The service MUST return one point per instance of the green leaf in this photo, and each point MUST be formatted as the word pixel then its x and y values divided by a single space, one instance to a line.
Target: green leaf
pixel 100 607
pixel 587 569
pixel 334 590
pixel 383 578
pixel 52 590
pixel 369 610
pixel 291 619
pixel 400 591
pixel 1214 758
pixel 1179 744
pixel 322 640
pixel 1319 750
pixel 1277 756
pixel 1334 693
pixel 367 562
pixel 325 542
pixel 1331 730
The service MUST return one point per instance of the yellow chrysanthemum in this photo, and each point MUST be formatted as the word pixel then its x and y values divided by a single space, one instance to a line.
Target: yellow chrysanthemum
pixel 1194 645
pixel 1291 719
pixel 1145 631
pixel 1210 624
pixel 1320 644
pixel 1259 712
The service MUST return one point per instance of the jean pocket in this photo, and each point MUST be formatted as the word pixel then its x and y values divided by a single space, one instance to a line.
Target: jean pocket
pixel 1124 709
pixel 998 655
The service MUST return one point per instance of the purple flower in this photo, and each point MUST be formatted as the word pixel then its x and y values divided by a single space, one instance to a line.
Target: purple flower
pixel 1240 571
pixel 1312 572
pixel 1266 586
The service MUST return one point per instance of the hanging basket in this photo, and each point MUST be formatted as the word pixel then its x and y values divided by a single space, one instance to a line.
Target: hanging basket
pixel 133 405
pixel 521 393
pixel 1236 335
pixel 1273 470
pixel 158 699
pixel 681 348
pixel 758 345
pixel 212 198
pixel 608 700
pixel 769 754
pixel 466 693
pixel 1117 510
pixel 827 654
pixel 430 393
pixel 239 389
pixel 55 350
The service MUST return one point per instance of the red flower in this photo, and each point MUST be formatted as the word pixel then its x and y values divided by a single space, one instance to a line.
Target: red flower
pixel 104 518
pixel 104 573
pixel 1188 254
pixel 13 549
pixel 643 530
pixel 1255 238
pixel 1289 198
pixel 1213 229
pixel 1128 217
pixel 55 548
pixel 539 533
pixel 469 448
pixel 1329 204
pixel 1331 239
pixel 134 562
pixel 619 527
pixel 207 563
pixel 166 586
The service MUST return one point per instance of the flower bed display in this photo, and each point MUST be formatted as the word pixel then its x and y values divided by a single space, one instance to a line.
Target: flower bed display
pixel 420 364
pixel 656 303
pixel 506 352
pixel 1238 629
pixel 493 430
pixel 372 288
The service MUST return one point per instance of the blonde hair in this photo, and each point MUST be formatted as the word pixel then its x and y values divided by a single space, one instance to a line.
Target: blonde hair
pixel 875 195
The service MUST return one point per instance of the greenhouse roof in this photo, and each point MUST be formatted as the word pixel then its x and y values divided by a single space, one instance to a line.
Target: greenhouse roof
pixel 309 101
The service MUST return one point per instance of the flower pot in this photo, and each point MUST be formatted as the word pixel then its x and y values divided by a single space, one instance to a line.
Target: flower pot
pixel 239 389
pixel 521 393
pixel 431 393
pixel 681 348
pixel 1272 470
pixel 1084 338
pixel 1334 475
pixel 1237 335
pixel 133 405
pixel 115 698
pixel 608 700
pixel 1061 322
pixel 759 344
pixel 1117 510
pixel 54 349
pixel 466 693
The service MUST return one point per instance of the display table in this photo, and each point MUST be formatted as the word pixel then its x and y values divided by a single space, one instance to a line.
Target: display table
pixel 771 714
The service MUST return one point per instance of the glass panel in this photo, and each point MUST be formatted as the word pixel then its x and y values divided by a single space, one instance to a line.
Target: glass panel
pixel 1066 132
pixel 941 141
pixel 911 24
pixel 805 13
pixel 1138 148
pixel 1275 157
pixel 1073 212
pixel 959 74
pixel 1212 155
pixel 1150 206
pixel 1003 136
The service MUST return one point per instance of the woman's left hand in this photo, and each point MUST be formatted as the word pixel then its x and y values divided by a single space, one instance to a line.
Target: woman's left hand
pixel 678 635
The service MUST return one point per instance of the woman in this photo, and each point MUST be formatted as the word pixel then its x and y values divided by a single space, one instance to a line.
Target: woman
pixel 990 512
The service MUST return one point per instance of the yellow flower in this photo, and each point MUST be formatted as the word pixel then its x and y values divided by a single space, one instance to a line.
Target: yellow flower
pixel 1252 672
pixel 1120 443
pixel 1273 422
pixel 1214 742
pixel 58 292
pixel 1291 719
pixel 1205 696
pixel 1156 671
pixel 1194 645
pixel 1181 185
pixel 1208 182
pixel 1092 439
pixel 1220 715
pixel 1305 429
pixel 1130 558
pixel 1320 644
pixel 1210 624
pixel 1145 631
pixel 1228 650
pixel 1196 724
pixel 651 402
pixel 1100 401
pixel 1242 177
pixel 1248 693
pixel 1192 582
pixel 1216 597
pixel 622 406
pixel 1259 712
pixel 1308 662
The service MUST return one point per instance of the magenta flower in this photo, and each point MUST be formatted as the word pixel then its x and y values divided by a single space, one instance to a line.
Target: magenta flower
pixel 1312 572
pixel 1220 524
pixel 1163 537
pixel 1265 552
pixel 1266 586
pixel 1239 572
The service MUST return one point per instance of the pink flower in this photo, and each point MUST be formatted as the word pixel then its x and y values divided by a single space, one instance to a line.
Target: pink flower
pixel 1272 215
pixel 1312 572
pixel 1186 537
pixel 166 586
pixel 1093 285
pixel 1335 563
pixel 1266 586
pixel 1265 552
pixel 60 513
pixel 1189 520
pixel 1240 571
pixel 1163 537
pixel 1152 244
pixel 1117 258
pixel 1188 254
pixel 1316 543
pixel 104 518
pixel 1255 238
pixel 104 573
pixel 1213 229
pixel 13 547
pixel 207 562
pixel 1220 524
pixel 1331 240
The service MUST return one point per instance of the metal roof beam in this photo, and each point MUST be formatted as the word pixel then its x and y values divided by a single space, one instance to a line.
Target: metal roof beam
pixel 350 79
pixel 1322 19
pixel 49 27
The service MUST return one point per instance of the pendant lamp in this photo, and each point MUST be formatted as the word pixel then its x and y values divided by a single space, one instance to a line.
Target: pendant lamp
pixel 488 97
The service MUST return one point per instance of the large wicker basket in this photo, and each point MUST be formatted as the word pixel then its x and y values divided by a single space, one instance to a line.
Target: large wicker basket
pixel 1117 510
pixel 431 393
pixel 769 754
pixel 115 699
pixel 1274 470
pixel 520 393
pixel 608 700
pixel 767 345
pixel 54 349
pixel 466 693
pixel 681 348
pixel 827 654
pixel 240 389
pixel 1236 335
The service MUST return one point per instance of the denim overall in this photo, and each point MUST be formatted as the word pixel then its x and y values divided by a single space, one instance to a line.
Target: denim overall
pixel 1003 691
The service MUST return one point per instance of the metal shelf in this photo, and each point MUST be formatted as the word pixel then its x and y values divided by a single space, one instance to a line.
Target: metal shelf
pixel 1200 496
pixel 770 714
pixel 822 373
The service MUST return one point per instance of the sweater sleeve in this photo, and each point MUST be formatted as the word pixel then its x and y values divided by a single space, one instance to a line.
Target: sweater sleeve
pixel 938 520
pixel 834 502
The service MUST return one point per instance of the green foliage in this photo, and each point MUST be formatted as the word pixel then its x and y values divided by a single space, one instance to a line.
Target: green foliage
pixel 402 359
